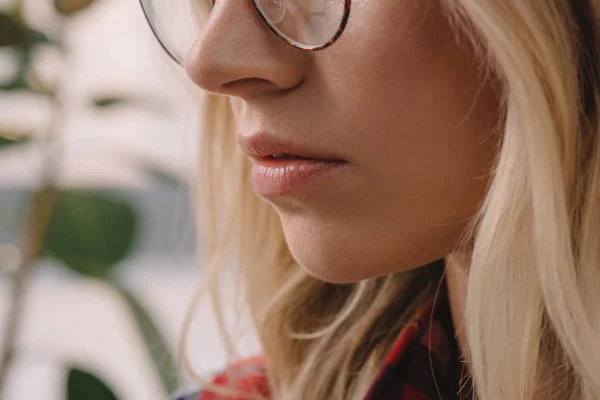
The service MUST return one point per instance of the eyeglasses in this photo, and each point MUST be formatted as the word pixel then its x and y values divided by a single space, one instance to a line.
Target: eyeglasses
pixel 305 24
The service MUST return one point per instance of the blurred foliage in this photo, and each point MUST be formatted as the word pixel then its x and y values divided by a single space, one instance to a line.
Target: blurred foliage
pixel 84 385
pixel 11 138
pixel 153 338
pixel 105 102
pixel 90 234
pixel 70 7
pixel 15 33
pixel 110 102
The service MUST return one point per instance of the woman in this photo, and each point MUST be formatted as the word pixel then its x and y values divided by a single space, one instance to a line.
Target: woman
pixel 416 213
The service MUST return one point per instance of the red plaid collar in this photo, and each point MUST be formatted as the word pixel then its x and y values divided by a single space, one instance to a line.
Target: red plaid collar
pixel 422 365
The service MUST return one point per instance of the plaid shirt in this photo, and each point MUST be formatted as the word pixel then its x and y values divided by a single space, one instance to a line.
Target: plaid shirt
pixel 422 365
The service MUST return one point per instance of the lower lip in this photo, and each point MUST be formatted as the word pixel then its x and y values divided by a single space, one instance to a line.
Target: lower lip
pixel 279 177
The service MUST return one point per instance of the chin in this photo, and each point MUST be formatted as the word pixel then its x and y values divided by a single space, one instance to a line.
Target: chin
pixel 339 252
pixel 340 272
pixel 351 267
pixel 336 258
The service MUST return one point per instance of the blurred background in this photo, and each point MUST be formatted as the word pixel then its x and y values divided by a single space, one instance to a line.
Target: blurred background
pixel 98 260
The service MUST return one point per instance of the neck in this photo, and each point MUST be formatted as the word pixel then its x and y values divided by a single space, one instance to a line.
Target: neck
pixel 457 279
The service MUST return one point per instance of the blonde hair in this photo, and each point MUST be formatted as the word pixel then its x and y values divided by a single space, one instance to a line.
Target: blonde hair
pixel 533 304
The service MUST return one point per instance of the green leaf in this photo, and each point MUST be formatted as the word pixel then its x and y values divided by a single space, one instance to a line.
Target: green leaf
pixel 14 33
pixel 70 7
pixel 106 102
pixel 91 233
pixel 17 83
pixel 82 385
pixel 156 344
pixel 11 138
pixel 35 38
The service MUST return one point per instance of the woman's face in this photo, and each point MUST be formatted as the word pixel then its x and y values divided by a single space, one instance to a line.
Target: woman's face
pixel 395 97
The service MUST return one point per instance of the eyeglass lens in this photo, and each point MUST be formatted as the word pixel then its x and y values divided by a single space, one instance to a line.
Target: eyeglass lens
pixel 304 23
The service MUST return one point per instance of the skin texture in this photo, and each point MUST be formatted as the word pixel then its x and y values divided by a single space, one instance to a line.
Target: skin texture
pixel 397 97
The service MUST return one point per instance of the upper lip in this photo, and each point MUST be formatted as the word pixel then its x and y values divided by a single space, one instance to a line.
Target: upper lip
pixel 262 146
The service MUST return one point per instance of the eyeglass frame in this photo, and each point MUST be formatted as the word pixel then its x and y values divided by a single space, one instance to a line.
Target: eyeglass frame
pixel 336 36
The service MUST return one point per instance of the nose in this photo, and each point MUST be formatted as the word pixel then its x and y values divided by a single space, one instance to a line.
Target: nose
pixel 238 55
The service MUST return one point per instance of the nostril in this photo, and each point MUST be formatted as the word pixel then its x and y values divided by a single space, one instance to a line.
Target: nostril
pixel 248 87
pixel 245 81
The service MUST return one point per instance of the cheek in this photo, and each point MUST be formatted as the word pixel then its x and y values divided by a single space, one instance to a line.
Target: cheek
pixel 415 121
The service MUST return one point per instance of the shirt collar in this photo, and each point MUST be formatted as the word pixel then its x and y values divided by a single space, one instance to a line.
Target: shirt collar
pixel 424 363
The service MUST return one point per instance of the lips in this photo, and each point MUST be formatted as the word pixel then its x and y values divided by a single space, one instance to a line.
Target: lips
pixel 286 168
pixel 263 146
pixel 288 157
